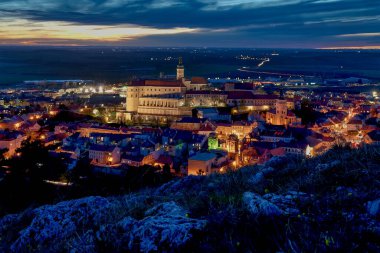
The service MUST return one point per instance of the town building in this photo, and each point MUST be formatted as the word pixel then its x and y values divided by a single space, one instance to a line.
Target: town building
pixel 205 98
pixel 162 98
pixel 11 141
pixel 101 154
pixel 252 102
pixel 201 164
pixel 195 83
pixel 238 128
pixel 281 116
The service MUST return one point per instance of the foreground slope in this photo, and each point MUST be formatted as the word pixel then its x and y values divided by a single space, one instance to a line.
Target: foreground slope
pixel 290 204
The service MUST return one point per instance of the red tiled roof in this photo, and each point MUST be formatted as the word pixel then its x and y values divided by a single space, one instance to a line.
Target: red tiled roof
pixel 164 159
pixel 355 121
pixel 265 96
pixel 327 123
pixel 248 95
pixel 158 83
pixel 203 92
pixel 198 80
pixel 328 139
pixel 240 95
pixel 206 128
pixel 244 86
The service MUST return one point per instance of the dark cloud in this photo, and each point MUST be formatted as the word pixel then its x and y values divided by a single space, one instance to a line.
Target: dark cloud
pixel 236 22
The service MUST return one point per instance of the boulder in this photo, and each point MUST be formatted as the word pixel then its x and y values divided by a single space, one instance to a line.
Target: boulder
pixel 85 243
pixel 257 178
pixel 277 161
pixel 373 207
pixel 287 202
pixel 322 167
pixel 256 205
pixel 186 184
pixel 53 225
pixel 166 226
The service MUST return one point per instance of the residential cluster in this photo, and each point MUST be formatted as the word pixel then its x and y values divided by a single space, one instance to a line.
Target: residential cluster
pixel 186 125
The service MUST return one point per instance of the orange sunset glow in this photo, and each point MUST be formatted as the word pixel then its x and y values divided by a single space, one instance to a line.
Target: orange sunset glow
pixel 24 32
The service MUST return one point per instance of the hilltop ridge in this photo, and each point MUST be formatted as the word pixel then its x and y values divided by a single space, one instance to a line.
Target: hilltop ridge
pixel 289 204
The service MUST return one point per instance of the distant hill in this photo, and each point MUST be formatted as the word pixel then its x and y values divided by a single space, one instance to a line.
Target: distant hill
pixel 120 64
pixel 329 203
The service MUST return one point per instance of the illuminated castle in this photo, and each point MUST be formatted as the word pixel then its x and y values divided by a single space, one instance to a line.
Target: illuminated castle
pixel 157 98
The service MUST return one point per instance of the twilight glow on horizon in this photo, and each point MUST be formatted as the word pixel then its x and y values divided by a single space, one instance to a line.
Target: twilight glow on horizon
pixel 213 23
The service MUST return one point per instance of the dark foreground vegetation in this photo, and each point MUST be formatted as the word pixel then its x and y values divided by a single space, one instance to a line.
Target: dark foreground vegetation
pixel 24 179
pixel 329 203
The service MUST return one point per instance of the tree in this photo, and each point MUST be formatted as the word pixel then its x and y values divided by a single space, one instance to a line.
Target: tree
pixel 35 163
pixel 194 113
pixel 166 169
pixel 63 107
pixel 2 154
pixel 307 113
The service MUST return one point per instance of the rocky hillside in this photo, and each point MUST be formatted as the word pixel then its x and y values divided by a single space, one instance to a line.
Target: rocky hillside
pixel 328 203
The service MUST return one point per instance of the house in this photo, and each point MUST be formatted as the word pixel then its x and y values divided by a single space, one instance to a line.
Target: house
pixel 251 101
pixel 188 123
pixel 276 135
pixel 238 128
pixel 34 127
pixel 354 125
pixel 11 141
pixel 288 149
pixel 138 160
pixel 72 152
pixel 109 139
pixel 50 138
pixel 177 141
pixel 61 128
pixel 132 160
pixel 10 124
pixel 318 144
pixel 163 160
pixel 87 129
pixel 104 154
pixel 201 164
pixel 249 156
pixel 213 114
pixel 196 142
pixel 147 147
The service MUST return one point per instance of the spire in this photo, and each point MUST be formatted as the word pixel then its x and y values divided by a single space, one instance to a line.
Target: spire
pixel 180 69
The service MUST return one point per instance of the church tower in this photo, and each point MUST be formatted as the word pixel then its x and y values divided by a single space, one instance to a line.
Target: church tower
pixel 180 69
pixel 281 108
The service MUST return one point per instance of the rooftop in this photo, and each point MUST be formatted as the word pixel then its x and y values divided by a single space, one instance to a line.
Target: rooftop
pixel 157 83
pixel 198 80
pixel 203 157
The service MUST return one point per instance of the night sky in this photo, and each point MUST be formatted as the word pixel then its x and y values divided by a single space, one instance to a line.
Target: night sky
pixel 198 23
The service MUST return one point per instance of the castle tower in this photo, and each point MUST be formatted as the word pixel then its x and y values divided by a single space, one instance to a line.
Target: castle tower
pixel 180 69
pixel 281 108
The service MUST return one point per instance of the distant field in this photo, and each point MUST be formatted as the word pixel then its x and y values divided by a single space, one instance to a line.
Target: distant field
pixel 121 64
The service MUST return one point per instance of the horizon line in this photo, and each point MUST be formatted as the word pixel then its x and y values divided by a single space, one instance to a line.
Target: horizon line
pixel 376 47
